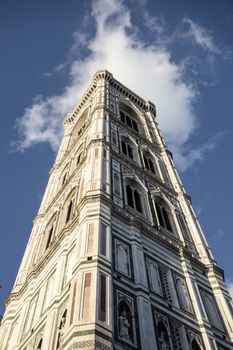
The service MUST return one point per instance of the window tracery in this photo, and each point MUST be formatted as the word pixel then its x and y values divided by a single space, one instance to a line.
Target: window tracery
pixel 149 162
pixel 128 120
pixel 127 148
pixel 163 215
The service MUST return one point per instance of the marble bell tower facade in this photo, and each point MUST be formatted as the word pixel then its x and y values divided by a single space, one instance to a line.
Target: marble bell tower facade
pixel 116 258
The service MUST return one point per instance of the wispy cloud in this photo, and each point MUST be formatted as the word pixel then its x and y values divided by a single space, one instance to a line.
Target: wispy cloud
pixel 187 157
pixel 145 67
pixel 230 288
pixel 218 235
pixel 201 36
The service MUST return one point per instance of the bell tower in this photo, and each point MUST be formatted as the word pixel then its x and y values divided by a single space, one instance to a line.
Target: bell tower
pixel 116 258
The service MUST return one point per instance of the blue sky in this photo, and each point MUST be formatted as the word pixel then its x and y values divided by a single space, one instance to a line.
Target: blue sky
pixel 177 54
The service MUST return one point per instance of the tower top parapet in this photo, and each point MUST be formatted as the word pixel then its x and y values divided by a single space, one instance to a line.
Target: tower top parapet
pixel 146 105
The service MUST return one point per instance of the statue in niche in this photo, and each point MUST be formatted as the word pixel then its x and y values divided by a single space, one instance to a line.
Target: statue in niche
pixel 61 330
pixel 163 337
pixel 125 321
pixel 122 258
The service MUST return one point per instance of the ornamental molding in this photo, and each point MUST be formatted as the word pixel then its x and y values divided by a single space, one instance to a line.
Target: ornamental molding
pixel 89 344
pixel 148 106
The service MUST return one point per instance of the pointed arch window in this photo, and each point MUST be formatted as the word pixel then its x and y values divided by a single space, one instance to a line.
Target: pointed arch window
pixel 69 211
pixel 128 120
pixel 64 175
pixel 164 217
pixel 183 226
pixel 134 198
pixel 149 164
pixel 127 149
pixel 50 235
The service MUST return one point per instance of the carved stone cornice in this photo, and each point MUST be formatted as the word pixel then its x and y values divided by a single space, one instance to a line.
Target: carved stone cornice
pixel 148 106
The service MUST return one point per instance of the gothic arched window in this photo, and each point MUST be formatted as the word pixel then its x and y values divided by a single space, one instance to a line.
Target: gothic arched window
pixel 125 324
pixel 64 175
pixel 127 149
pixel 69 211
pixel 61 329
pixel 134 198
pixel 164 216
pixel 50 235
pixel 148 162
pixel 129 120
pixel 183 226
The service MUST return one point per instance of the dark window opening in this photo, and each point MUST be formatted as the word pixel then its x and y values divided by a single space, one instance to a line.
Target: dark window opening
pixel 122 116
pixel 146 162
pixel 128 121
pixel 135 126
pixel 39 346
pixel 166 219
pixel 160 216
pixel 138 203
pixel 103 285
pixel 64 179
pixel 134 199
pixel 49 238
pixel 130 152
pixel 69 210
pixel 78 158
pixel 123 146
pixel 129 193
pixel 151 166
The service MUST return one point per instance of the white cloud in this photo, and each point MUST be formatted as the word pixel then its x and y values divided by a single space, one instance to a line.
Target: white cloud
pixel 230 288
pixel 187 158
pixel 146 68
pixel 201 36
